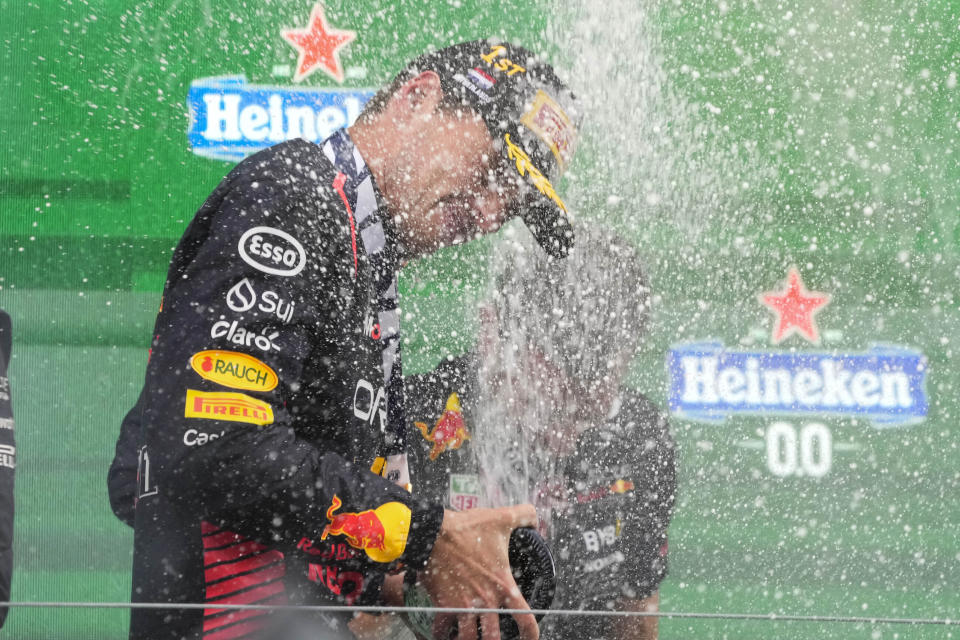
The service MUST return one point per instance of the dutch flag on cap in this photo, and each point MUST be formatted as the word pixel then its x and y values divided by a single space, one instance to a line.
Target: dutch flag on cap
pixel 482 78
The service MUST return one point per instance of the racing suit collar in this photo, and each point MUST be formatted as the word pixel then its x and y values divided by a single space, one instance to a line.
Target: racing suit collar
pixel 345 156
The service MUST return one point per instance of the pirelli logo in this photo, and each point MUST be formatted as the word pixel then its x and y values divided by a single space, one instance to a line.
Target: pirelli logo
pixel 223 405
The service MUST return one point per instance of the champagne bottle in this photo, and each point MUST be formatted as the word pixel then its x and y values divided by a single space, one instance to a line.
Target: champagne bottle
pixel 533 570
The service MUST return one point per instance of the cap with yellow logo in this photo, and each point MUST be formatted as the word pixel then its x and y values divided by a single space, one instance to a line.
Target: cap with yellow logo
pixel 532 117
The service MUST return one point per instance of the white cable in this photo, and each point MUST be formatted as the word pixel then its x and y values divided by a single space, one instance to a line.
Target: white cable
pixel 769 617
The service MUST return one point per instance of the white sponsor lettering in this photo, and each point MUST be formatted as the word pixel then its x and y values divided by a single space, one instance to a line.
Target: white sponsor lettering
pixel 596 538
pixel 482 95
pixel 599 564
pixel 194 438
pixel 226 121
pixel 222 116
pixel 8 456
pixel 830 386
pixel 254 122
pixel 6 423
pixel 597 475
pixel 591 540
pixel 371 328
pixel 242 297
pixel 259 244
pixel 146 484
pixel 238 335
pixel 369 403
pixel 804 452
pixel 270 302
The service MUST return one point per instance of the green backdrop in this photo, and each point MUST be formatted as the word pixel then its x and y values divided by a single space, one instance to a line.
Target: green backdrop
pixel 729 140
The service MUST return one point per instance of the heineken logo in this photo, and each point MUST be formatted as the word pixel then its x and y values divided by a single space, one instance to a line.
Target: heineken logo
pixel 318 46
pixel 795 308
pixel 885 385
pixel 230 119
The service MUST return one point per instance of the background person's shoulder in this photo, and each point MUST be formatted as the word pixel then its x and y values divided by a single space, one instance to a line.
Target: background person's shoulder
pixel 638 413
pixel 293 164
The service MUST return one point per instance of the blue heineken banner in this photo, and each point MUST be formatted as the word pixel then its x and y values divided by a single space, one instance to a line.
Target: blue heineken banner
pixel 230 119
pixel 884 384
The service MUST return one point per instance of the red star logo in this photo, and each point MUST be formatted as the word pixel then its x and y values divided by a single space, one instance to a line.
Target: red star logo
pixel 318 45
pixel 795 308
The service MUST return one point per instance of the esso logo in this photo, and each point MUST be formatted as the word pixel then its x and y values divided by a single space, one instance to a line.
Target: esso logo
pixel 272 251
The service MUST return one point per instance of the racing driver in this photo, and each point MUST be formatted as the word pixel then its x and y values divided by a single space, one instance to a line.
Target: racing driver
pixel 538 412
pixel 266 454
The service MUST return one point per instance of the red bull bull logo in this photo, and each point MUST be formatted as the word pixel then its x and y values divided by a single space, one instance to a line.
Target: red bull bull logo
pixel 381 532
pixel 449 432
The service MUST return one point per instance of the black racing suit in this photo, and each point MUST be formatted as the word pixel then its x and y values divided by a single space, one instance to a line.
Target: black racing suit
pixel 270 393
pixel 122 477
pixel 8 462
pixel 609 504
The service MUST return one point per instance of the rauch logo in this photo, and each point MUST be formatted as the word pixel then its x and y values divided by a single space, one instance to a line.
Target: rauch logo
pixel 235 370
pixel 230 119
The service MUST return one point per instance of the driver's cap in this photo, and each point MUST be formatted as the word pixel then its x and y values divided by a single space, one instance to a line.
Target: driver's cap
pixel 532 116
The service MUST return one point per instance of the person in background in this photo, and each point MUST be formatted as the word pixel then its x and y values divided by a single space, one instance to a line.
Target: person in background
pixel 8 463
pixel 539 412
pixel 268 441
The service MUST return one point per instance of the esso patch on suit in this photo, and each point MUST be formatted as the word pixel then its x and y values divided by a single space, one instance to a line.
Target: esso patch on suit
pixel 272 251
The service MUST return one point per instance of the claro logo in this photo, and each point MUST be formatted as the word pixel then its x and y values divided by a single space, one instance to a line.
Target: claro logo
pixel 272 251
